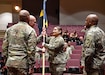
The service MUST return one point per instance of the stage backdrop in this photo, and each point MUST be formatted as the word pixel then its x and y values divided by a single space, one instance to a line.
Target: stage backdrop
pixel 74 12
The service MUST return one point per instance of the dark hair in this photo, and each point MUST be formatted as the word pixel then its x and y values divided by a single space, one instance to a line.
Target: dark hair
pixel 59 28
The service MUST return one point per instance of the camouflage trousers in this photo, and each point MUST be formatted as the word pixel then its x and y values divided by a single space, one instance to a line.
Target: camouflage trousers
pixel 57 69
pixel 17 71
pixel 95 72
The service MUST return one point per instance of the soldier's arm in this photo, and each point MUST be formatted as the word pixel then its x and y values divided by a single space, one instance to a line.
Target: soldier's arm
pixel 88 49
pixel 5 46
pixel 55 45
pixel 89 45
pixel 47 39
pixel 40 39
pixel 31 48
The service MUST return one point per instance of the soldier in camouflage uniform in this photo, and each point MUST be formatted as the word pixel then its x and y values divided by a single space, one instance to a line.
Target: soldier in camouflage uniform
pixel 94 47
pixel 32 21
pixel 57 56
pixel 19 46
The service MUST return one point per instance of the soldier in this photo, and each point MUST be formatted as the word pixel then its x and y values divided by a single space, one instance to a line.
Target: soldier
pixel 94 46
pixel 19 46
pixel 32 21
pixel 57 56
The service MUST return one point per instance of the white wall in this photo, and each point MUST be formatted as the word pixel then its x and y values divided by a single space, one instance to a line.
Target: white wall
pixel 5 15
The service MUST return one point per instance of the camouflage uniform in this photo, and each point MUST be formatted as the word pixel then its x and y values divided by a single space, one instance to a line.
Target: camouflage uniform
pixel 37 54
pixel 19 47
pixel 69 50
pixel 57 56
pixel 94 50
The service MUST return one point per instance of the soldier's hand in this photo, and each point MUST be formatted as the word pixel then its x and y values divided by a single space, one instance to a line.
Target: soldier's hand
pixel 4 68
pixel 44 32
pixel 43 44
pixel 31 70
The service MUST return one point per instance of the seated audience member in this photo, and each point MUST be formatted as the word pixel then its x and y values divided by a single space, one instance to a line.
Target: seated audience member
pixel 70 46
pixel 69 49
pixel 73 36
pixel 79 41
pixel 65 36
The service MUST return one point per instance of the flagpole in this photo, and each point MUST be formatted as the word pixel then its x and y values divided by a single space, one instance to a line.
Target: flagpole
pixel 43 54
pixel 43 57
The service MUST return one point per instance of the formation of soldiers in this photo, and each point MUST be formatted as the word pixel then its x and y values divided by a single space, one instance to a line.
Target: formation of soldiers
pixel 19 47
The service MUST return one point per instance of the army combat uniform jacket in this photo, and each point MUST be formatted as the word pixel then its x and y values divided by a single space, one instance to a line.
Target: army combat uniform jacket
pixel 94 48
pixel 19 45
pixel 55 50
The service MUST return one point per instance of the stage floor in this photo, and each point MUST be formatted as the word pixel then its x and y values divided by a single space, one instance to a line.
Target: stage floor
pixel 50 74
